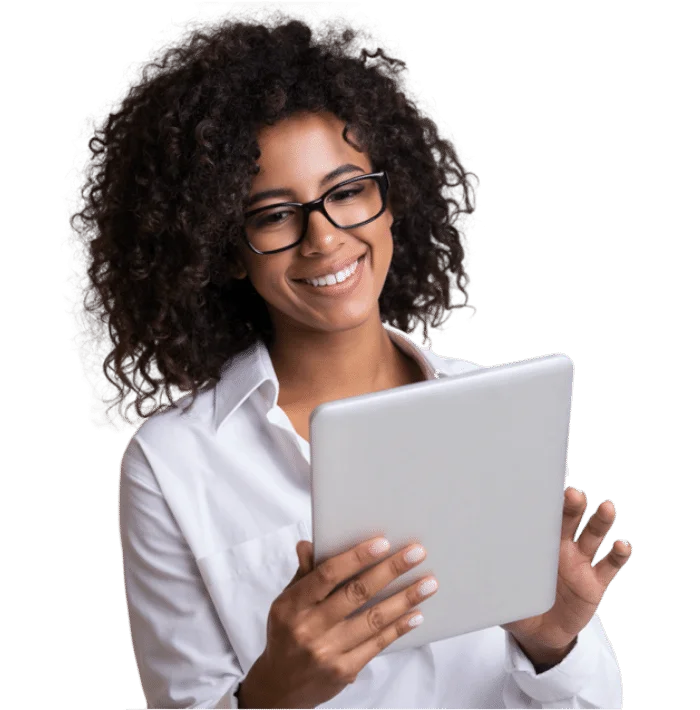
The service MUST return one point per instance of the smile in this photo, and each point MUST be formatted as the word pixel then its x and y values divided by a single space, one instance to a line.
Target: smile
pixel 336 284
pixel 332 279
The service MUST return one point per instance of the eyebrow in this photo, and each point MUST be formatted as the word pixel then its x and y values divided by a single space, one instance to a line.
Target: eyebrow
pixel 286 192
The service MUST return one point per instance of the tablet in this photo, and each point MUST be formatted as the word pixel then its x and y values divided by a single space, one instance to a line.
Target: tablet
pixel 472 466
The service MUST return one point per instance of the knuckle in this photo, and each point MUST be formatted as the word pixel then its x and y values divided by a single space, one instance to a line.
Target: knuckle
pixel 327 573
pixel 356 591
pixel 341 674
pixel 327 662
pixel 349 676
pixel 398 566
pixel 570 510
pixel 401 627
pixel 319 656
pixel 382 640
pixel 616 564
pixel 597 527
pixel 616 561
pixel 301 634
pixel 359 557
pixel 375 618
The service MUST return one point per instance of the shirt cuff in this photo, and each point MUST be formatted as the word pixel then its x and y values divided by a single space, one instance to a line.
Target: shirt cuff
pixel 561 682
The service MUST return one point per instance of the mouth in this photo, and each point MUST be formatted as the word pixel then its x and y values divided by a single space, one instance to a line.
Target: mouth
pixel 350 280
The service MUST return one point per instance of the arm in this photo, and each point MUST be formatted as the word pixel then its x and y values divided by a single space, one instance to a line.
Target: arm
pixel 543 659
pixel 587 677
pixel 182 652
pixel 587 674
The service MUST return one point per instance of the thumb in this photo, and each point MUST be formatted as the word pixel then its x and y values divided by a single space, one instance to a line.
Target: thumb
pixel 305 555
pixel 305 552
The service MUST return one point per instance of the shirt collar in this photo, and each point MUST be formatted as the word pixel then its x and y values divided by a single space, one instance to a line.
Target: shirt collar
pixel 252 369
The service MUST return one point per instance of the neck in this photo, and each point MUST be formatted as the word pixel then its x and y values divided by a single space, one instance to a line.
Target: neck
pixel 317 366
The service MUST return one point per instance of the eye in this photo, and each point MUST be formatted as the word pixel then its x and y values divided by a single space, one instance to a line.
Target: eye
pixel 343 194
pixel 270 218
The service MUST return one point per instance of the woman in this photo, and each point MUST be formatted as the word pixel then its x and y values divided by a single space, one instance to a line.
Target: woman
pixel 261 310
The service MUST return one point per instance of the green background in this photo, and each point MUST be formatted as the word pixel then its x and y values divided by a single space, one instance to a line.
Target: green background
pixel 582 116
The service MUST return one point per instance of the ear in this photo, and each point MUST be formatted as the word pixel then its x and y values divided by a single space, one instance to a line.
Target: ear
pixel 390 210
pixel 238 271
pixel 394 219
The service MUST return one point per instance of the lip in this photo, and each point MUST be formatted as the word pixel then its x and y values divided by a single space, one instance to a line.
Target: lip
pixel 334 268
pixel 338 289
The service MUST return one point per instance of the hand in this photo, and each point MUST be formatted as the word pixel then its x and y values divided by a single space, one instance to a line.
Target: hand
pixel 312 650
pixel 580 586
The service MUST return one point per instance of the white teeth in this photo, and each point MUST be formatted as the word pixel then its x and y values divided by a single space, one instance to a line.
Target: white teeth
pixel 333 278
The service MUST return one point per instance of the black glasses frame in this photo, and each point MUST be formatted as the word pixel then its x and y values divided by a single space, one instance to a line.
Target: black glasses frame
pixel 382 179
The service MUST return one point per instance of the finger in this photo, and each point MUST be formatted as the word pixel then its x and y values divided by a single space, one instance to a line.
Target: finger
pixel 362 654
pixel 597 528
pixel 361 589
pixel 574 508
pixel 304 548
pixel 301 569
pixel 331 573
pixel 368 624
pixel 301 555
pixel 611 564
pixel 306 555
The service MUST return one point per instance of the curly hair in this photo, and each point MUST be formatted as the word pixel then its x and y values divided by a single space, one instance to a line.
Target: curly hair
pixel 169 171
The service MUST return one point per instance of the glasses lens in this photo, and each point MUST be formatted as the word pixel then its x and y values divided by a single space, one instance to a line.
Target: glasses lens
pixel 348 205
pixel 274 228
pixel 354 203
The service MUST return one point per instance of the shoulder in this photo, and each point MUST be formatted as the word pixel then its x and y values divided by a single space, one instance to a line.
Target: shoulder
pixel 170 435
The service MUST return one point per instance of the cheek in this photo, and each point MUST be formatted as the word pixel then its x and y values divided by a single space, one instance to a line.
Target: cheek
pixel 390 247
pixel 384 248
pixel 270 283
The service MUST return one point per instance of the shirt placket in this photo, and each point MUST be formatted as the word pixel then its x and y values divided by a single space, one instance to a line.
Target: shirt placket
pixel 288 435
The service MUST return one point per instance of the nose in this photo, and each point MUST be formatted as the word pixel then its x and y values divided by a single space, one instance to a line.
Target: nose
pixel 321 235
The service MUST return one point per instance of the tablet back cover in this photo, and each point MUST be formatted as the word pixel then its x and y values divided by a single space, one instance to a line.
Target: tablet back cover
pixel 472 466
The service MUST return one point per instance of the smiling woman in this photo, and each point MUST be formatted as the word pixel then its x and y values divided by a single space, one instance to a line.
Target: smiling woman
pixel 351 225
pixel 189 203
pixel 266 216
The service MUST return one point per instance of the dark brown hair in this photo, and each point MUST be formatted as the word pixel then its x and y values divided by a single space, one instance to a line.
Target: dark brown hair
pixel 170 169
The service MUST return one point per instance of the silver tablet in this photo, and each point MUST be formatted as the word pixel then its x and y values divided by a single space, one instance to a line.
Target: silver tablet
pixel 472 466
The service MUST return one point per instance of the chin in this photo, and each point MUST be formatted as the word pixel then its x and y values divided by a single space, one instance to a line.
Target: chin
pixel 336 322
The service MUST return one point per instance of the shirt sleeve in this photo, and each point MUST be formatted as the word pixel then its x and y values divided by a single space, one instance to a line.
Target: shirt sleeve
pixel 183 654
pixel 588 677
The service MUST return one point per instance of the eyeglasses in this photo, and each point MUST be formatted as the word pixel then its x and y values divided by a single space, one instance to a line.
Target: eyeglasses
pixel 351 203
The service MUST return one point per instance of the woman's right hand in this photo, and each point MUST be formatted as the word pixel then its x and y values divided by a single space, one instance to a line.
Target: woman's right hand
pixel 312 650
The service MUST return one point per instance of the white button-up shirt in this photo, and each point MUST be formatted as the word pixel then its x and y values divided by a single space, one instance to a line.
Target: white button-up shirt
pixel 212 504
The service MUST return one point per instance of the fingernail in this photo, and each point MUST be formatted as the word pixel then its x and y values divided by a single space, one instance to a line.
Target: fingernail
pixel 414 554
pixel 430 585
pixel 415 620
pixel 379 546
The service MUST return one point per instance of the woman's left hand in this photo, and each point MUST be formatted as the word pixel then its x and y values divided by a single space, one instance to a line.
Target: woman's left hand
pixel 580 585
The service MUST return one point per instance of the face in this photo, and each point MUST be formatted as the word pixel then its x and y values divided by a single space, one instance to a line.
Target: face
pixel 296 153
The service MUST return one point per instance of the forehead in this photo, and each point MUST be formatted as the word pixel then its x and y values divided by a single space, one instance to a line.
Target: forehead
pixel 306 144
